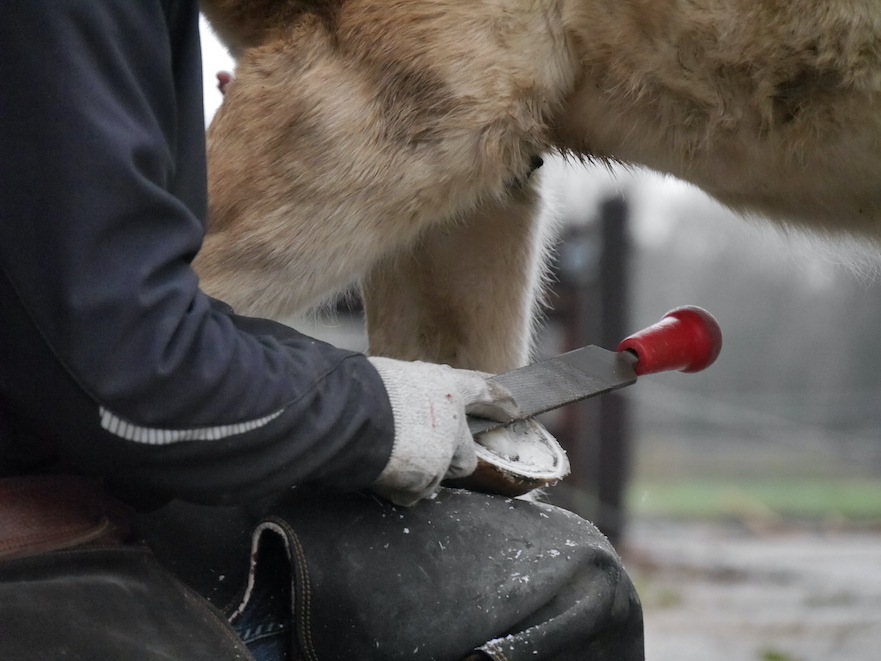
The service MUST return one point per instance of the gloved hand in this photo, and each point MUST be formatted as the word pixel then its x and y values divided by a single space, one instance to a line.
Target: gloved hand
pixel 432 439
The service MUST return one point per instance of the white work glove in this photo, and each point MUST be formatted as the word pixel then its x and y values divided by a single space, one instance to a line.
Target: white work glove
pixel 432 439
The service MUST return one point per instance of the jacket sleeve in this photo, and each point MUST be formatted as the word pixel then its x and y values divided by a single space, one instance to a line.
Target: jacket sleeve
pixel 110 353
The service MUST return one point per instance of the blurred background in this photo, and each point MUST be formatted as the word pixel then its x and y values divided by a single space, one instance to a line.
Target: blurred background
pixel 745 499
pixel 787 421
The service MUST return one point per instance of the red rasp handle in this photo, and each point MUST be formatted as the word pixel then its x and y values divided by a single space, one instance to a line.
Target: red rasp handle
pixel 687 339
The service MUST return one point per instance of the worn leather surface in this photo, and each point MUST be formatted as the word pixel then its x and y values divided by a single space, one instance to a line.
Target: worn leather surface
pixel 208 548
pixel 41 513
pixel 106 604
pixel 461 575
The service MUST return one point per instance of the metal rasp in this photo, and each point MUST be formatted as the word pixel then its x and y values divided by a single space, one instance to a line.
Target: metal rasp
pixel 687 339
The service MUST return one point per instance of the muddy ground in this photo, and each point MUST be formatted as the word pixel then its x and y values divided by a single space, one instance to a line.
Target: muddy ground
pixel 723 591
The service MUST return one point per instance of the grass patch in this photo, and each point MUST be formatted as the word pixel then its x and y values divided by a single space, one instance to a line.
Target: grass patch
pixel 775 655
pixel 815 498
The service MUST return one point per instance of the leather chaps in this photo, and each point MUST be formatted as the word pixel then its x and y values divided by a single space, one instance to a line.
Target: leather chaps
pixel 462 576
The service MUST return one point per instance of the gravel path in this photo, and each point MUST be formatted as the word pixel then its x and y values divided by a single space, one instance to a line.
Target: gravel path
pixel 717 592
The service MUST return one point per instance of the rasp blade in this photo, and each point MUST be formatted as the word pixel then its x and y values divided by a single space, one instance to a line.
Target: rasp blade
pixel 561 380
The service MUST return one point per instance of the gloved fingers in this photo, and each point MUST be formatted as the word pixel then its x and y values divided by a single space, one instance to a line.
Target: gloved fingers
pixel 484 398
pixel 405 497
pixel 408 483
pixel 432 440
pixel 464 461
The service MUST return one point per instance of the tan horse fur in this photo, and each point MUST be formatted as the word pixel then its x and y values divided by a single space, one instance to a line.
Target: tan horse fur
pixel 389 142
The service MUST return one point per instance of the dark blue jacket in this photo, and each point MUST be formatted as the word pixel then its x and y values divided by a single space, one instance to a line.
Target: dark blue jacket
pixel 112 361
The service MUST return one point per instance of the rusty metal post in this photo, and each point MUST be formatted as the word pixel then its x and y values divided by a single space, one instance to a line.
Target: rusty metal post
pixel 593 306
pixel 614 428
